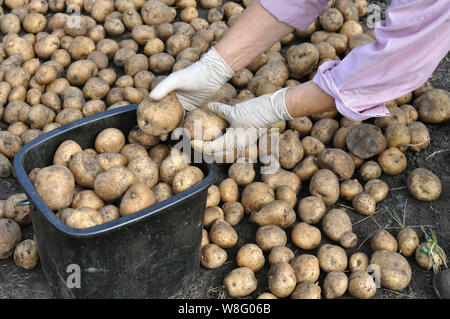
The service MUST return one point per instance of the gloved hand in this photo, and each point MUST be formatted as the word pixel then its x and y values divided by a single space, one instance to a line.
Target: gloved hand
pixel 198 83
pixel 247 120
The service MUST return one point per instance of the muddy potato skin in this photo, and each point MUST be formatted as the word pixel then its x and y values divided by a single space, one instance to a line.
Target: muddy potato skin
pixel 277 213
pixel 84 217
pixel 370 170
pixel 222 234
pixel 162 191
pixel 420 136
pixel 55 185
pixel 336 223
pixel 282 178
pixel 186 178
pixel 21 214
pixel 395 269
pixel 305 236
pixel 84 168
pixel 250 256
pixel 361 285
pixel 212 256
pixel 425 259
pixel 424 185
pixel 306 290
pixel 270 236
pixel 10 235
pixel 306 268
pixel 211 214
pixel 113 183
pixel 311 209
pixel 242 173
pixel 109 213
pixel 434 106
pixel 110 159
pixel 229 191
pixel 287 194
pixel 349 189
pixel 306 169
pixel 407 240
pixel 240 282
pixel 109 140
pixel 138 197
pixel 5 166
pixel 157 118
pixel 233 212
pixel 291 149
pixel 332 258
pixel 65 152
pixel 335 284
pixel 383 240
pixel 87 198
pixel 364 204
pixel 325 185
pixel 358 261
pixel 209 124
pixel 256 195
pixel 338 161
pixel 392 161
pixel 171 164
pixel 9 144
pixel 282 280
pixel 26 254
pixel 145 169
pixel 281 253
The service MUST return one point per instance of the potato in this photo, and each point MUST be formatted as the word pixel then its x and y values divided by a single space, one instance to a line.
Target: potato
pixel 100 9
pixel 377 189
pixel 433 106
pixel 250 256
pixel 279 254
pixel 80 71
pixel 87 198
pixel 211 215
pixel 361 285
pixel 348 240
pixel 233 212
pixel 420 136
pixel 18 128
pixel 383 240
pixel 204 125
pixel 26 254
pixel 156 118
pixel 93 107
pixel 358 261
pixel 84 217
pixel 428 256
pixel 30 135
pixel 282 280
pixel 397 135
pixel 302 59
pixel 395 269
pixel 84 168
pixel 113 183
pixel 266 295
pixel 50 127
pixel 65 152
pixel 162 191
pixel 392 161
pixel 209 4
pixel 138 197
pixel 301 124
pixel 336 223
pixel 306 268
pixel 10 235
pixel 290 149
pixel 349 189
pixel 174 162
pixel 306 290
pixel 338 161
pixel 10 24
pixel 324 184
pixel 324 130
pixel 286 193
pixel 205 239
pixel 17 77
pixel 351 28
pixel 270 236
pixel 213 198
pixel 424 185
pixel 311 209
pixel 5 167
pixel 186 177
pixel 364 204
pixel 256 195
pixel 305 236
pixel 365 141
pixel 408 241
pixel 15 210
pixel 331 20
pixel 242 173
pixel 16 111
pixel 411 113
pixel 306 168
pixel 240 282
pixel 370 170
pixel 222 234
pixel 212 256
pixel 332 258
pixel 109 140
pixel 110 159
pixel 277 213
pixel 397 115
pixel 335 284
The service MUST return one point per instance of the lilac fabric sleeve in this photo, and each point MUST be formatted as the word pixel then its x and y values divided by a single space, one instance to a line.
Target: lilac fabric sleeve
pixel 409 45
pixel 296 13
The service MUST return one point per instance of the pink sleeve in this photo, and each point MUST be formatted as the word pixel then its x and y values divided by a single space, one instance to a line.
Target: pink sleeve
pixel 409 45
pixel 298 14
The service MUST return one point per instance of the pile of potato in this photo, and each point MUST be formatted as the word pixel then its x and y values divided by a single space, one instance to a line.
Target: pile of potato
pixel 62 60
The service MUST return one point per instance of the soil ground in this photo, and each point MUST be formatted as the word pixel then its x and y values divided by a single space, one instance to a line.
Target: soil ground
pixel 19 283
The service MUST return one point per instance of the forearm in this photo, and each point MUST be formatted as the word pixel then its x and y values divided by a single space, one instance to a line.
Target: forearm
pixel 255 32
pixel 307 99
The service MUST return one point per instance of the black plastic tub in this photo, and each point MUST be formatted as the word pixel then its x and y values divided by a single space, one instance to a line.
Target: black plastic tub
pixel 150 254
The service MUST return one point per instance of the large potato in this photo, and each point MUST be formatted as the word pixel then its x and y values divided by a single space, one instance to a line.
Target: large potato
pixel 250 256
pixel 424 185
pixel 240 282
pixel 338 161
pixel 383 240
pixel 212 256
pixel 109 140
pixel 361 285
pixel 186 177
pixel 203 125
pixel 282 280
pixel 282 178
pixel 113 183
pixel 138 197
pixel 365 141
pixel 336 223
pixel 332 258
pixel 325 185
pixel 277 212
pixel 335 284
pixel 395 269
pixel 305 236
pixel 270 236
pixel 84 168
pixel 256 195
pixel 434 106
pixel 65 152
pixel 84 217
pixel 306 268
pixel 9 144
pixel 242 173
pixel 145 169
pixel 222 234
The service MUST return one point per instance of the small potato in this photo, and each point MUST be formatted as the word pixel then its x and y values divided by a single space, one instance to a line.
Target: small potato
pixel 84 168
pixel 336 223
pixel 370 170
pixel 324 184
pixel 229 191
pixel 240 282
pixel 109 159
pixel 340 137
pixel 84 217
pixel 162 191
pixel 222 234
pixel 348 240
pixel 161 62
pixel 392 161
pixel 306 290
pixel 349 189
pixel 324 130
pixel 13 209
pixel 138 197
pixel 250 256
pixel 242 173
pixel 395 269
pixel 9 144
pixel 331 20
pixel 212 256
pixel 279 254
pixel 213 198
pixel 26 254
pixel 396 116
pixel 311 209
pixel 420 136
pixel 211 215
pixel 282 280
pixel 408 241
pixel 186 177
pixel 65 152
pixel 424 185
pixel 256 195
pixel 312 146
pixel 332 258
pixel 397 135
pixel 18 128
pixel 428 257
pixel 305 236
pixel 306 268
pixel 335 284
pixel 270 236
pixel 233 212
pixel 93 107
pixel 10 236
pixel 306 169
pixel 358 261
pixel 109 140
pixel 377 189
pixel 145 169
pixel 171 164
pixel 364 204
pixel 87 198
pixel 361 285
pixel 277 213
pixel 433 106
pixel 411 113
pixel 80 71
pixel 113 183
pixel 5 167
pixel 287 194
pixel 301 124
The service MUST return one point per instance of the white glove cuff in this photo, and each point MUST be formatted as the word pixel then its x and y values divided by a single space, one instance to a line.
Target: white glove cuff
pixel 279 103
pixel 217 66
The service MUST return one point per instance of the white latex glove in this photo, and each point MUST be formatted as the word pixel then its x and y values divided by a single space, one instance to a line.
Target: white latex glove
pixel 248 121
pixel 197 84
